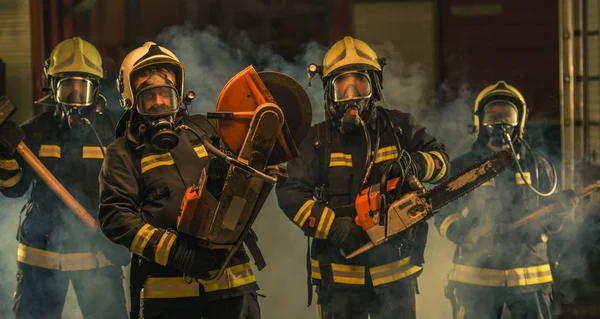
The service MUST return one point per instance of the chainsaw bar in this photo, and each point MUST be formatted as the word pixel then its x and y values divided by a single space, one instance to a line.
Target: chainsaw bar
pixel 459 185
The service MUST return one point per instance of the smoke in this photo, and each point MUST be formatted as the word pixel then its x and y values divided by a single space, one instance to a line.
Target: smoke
pixel 210 62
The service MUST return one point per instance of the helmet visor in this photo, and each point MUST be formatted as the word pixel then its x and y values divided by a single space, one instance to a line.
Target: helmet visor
pixel 75 91
pixel 500 113
pixel 351 86
pixel 157 101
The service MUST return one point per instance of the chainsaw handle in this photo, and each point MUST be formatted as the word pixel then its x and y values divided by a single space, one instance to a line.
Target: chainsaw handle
pixel 57 187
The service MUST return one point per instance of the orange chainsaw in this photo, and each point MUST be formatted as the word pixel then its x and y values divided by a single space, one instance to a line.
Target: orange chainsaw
pixel 387 213
pixel 261 117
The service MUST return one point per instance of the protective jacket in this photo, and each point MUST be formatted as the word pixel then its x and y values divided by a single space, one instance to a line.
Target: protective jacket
pixel 517 258
pixel 51 236
pixel 141 192
pixel 334 165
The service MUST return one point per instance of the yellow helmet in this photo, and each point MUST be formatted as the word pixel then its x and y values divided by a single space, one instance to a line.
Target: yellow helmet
pixel 75 55
pixel 73 73
pixel 350 52
pixel 500 91
pixel 147 55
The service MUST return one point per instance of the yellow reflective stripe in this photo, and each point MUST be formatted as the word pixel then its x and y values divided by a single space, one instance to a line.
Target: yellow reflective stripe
pixel 519 178
pixel 348 274
pixel 7 183
pixel 152 161
pixel 528 276
pixel 444 168
pixel 201 151
pixel 340 159
pixel 38 257
pixel 102 260
pixel 235 276
pixel 449 220
pixel 501 278
pixel 141 239
pixel 92 152
pixel 393 271
pixel 386 154
pixel 342 274
pixel 9 165
pixel 325 223
pixel 164 248
pixel 176 287
pixel 64 262
pixel 490 183
pixel 430 166
pixel 315 270
pixel 49 151
pixel 477 276
pixel 303 213
pixel 172 287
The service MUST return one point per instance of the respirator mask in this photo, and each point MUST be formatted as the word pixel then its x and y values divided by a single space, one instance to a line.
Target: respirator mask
pixel 157 101
pixel 500 119
pixel 352 91
pixel 74 97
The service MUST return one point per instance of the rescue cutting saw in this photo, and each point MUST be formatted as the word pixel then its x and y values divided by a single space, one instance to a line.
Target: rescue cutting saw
pixel 261 117
pixel 382 221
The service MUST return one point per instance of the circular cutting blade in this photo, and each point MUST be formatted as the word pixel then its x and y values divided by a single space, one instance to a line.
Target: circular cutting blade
pixel 293 101
pixel 246 91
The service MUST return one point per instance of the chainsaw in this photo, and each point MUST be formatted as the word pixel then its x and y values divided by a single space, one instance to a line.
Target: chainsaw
pixel 382 221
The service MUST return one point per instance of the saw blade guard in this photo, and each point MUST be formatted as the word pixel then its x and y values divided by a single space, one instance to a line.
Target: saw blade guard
pixel 260 117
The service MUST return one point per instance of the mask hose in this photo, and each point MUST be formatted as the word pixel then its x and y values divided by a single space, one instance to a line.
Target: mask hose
pixel 554 177
pixel 96 134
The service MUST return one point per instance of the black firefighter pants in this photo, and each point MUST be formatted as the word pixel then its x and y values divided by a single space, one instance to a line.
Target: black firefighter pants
pixel 393 300
pixel 41 292
pixel 480 302
pixel 239 307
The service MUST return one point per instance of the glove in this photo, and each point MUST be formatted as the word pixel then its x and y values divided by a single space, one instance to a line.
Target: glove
pixel 192 260
pixel 347 235
pixel 567 201
pixel 10 136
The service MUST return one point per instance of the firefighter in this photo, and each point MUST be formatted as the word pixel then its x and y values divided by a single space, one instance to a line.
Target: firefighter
pixel 493 268
pixel 55 248
pixel 143 182
pixel 348 152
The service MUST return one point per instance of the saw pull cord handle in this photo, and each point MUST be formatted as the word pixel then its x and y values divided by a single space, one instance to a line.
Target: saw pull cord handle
pixel 554 177
pixel 57 187
pixel 230 160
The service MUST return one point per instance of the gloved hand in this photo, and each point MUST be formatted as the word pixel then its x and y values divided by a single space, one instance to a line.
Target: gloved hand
pixel 566 202
pixel 10 136
pixel 191 260
pixel 347 235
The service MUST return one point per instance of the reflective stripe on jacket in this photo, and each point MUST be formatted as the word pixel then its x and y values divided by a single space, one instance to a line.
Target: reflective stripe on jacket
pixel 179 287
pixel 355 275
pixel 63 262
pixel 524 276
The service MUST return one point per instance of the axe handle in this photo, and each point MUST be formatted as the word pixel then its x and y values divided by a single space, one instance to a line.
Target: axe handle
pixel 550 208
pixel 57 187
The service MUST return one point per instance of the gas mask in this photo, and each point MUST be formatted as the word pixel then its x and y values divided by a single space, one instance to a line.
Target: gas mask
pixel 351 98
pixel 157 102
pixel 74 97
pixel 500 118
